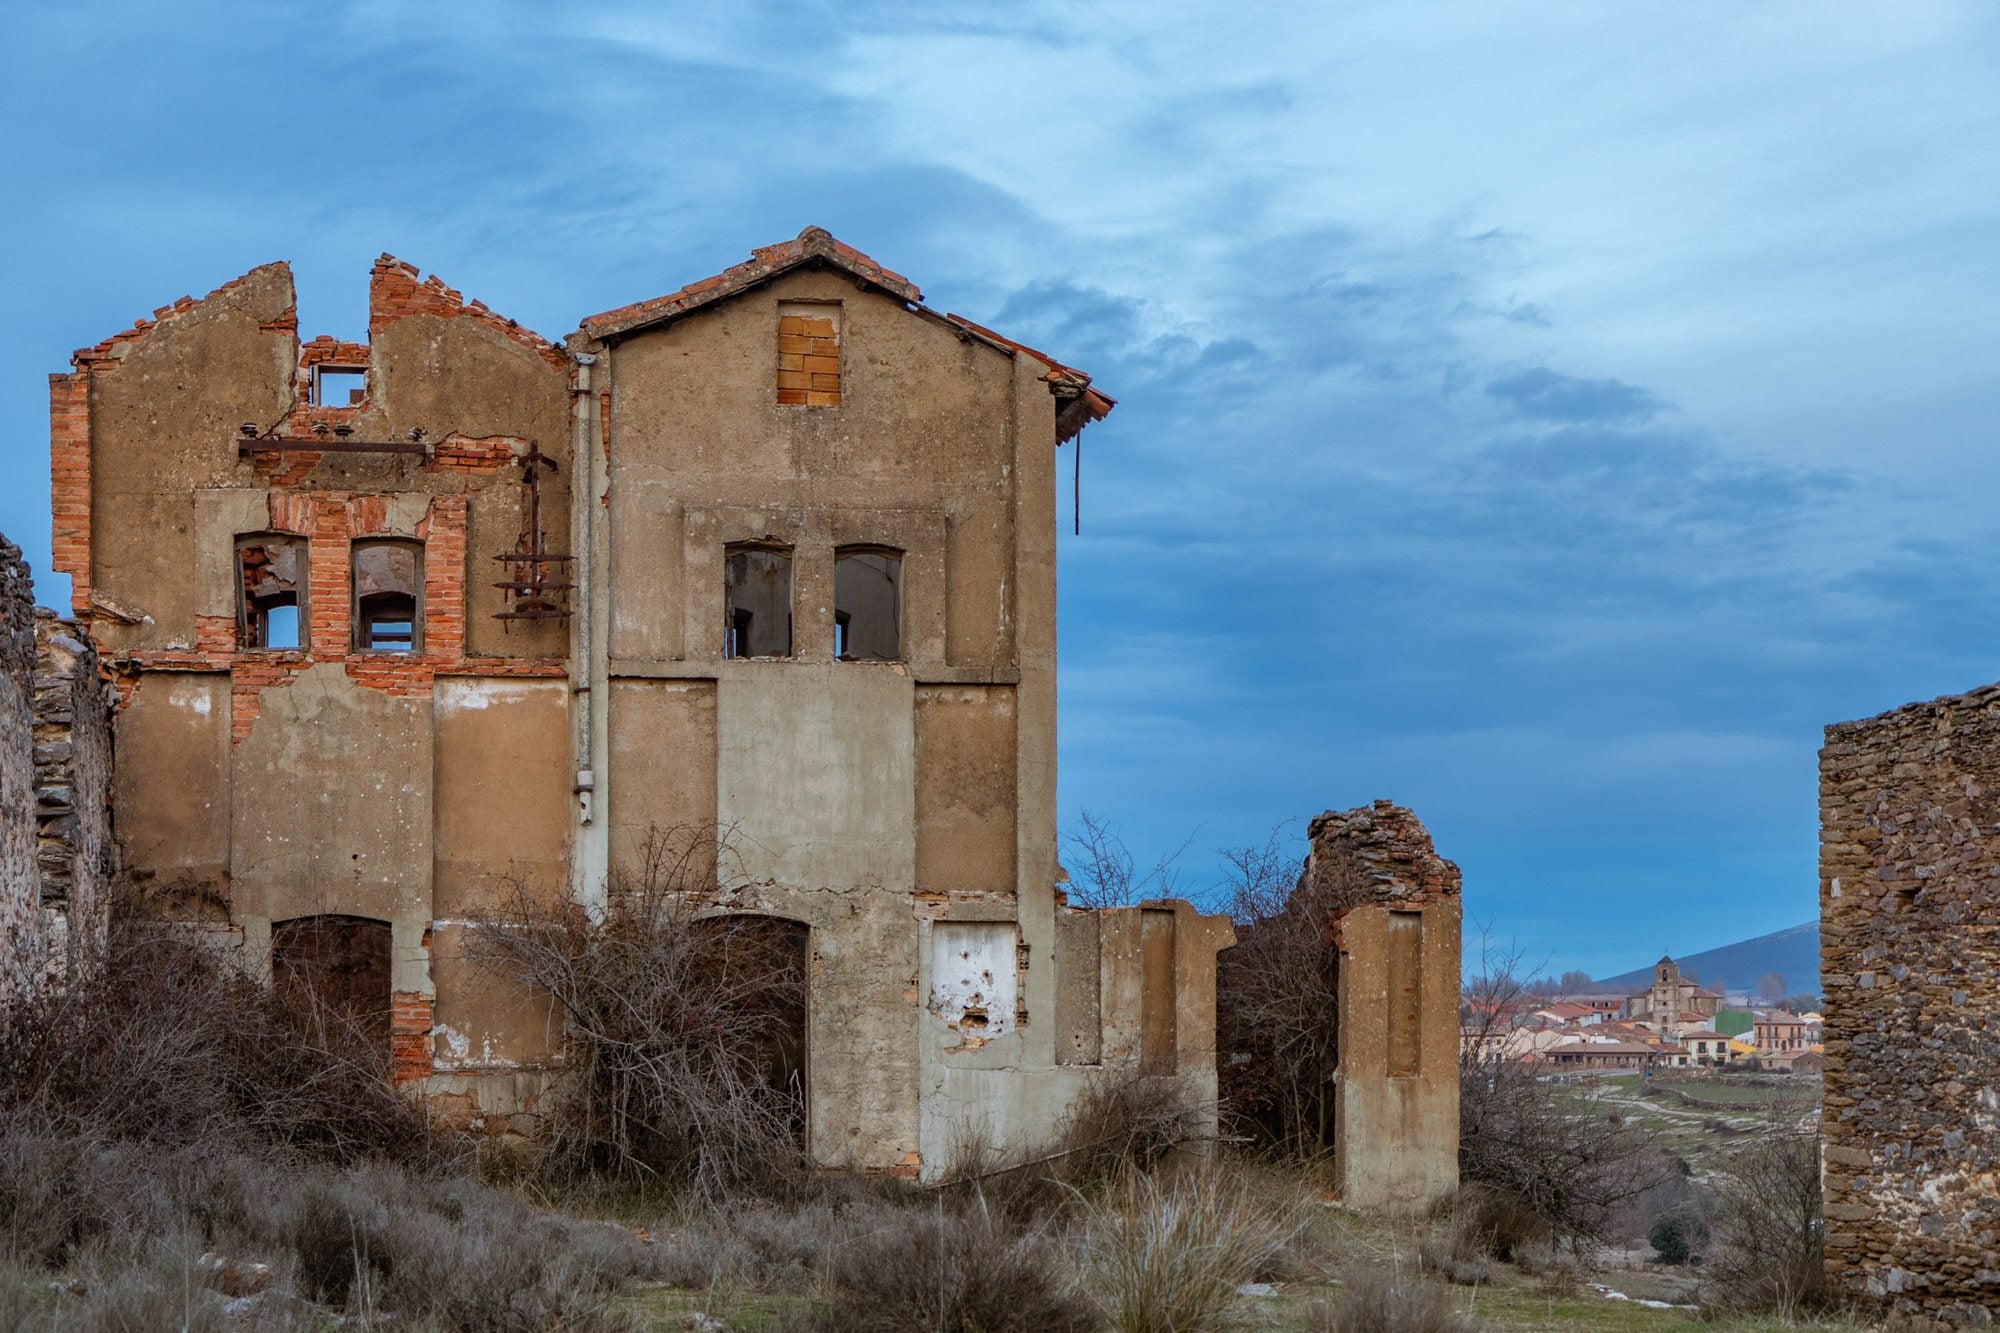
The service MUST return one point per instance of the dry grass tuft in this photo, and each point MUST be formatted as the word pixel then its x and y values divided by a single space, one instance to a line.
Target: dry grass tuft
pixel 1170 1257
pixel 1378 1301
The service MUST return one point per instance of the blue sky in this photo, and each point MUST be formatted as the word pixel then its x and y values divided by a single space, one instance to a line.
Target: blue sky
pixel 1546 415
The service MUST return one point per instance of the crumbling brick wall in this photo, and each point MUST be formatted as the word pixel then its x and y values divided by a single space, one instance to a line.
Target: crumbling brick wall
pixel 1910 963
pixel 55 772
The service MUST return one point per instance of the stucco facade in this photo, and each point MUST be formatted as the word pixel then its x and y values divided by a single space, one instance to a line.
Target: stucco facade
pixel 795 583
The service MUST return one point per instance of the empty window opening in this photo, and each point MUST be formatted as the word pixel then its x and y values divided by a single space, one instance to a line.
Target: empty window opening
pixel 336 970
pixel 338 386
pixel 759 595
pixel 867 604
pixel 809 354
pixel 388 597
pixel 270 585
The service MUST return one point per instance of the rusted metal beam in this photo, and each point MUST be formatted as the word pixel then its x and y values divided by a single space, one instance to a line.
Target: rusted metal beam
pixel 315 445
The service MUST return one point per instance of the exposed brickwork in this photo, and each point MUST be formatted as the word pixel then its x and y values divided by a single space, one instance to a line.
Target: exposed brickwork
pixel 1910 964
pixel 410 1037
pixel 482 457
pixel 809 356
pixel 332 521
pixel 397 291
pixel 69 483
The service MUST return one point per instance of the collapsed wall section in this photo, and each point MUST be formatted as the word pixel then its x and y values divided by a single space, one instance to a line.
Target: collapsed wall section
pixel 1910 964
pixel 1340 1008
pixel 55 772
pixel 1393 905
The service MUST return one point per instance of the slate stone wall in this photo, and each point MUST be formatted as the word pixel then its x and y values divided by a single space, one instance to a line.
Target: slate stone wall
pixel 1910 955
pixel 55 778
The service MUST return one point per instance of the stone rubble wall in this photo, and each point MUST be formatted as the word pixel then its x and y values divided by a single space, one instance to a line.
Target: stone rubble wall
pixel 20 887
pixel 1910 957
pixel 56 856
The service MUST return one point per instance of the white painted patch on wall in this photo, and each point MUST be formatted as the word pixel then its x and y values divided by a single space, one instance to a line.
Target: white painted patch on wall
pixel 974 981
pixel 188 695
pixel 466 692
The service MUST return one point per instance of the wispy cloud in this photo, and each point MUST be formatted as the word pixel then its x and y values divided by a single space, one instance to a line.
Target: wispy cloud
pixel 1552 451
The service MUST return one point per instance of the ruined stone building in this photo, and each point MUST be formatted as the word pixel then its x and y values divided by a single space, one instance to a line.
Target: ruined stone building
pixel 55 774
pixel 1910 966
pixel 404 628
pixel 1376 913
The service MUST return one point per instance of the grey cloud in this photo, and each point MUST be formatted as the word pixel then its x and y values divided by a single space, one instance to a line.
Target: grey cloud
pixel 1548 395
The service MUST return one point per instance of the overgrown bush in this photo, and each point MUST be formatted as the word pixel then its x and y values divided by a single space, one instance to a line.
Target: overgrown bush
pixel 1769 1247
pixel 1378 1301
pixel 1116 1127
pixel 1542 1147
pixel 1676 1236
pixel 1277 1000
pixel 128 1226
pixel 677 1022
pixel 168 1042
pixel 934 1269
pixel 1170 1256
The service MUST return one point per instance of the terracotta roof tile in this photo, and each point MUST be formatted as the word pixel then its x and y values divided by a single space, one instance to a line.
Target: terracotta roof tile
pixel 765 262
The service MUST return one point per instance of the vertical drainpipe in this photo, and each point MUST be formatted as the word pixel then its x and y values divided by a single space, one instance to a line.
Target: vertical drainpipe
pixel 589 860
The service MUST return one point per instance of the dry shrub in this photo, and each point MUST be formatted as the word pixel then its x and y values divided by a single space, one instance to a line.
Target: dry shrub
pixel 1443 1257
pixel 1377 1301
pixel 934 1269
pixel 1129 1124
pixel 1170 1256
pixel 454 1253
pixel 1538 1146
pixel 676 1023
pixel 1487 1223
pixel 1556 1272
pixel 128 1224
pixel 168 1042
pixel 1117 1126
pixel 1769 1235
pixel 1277 1000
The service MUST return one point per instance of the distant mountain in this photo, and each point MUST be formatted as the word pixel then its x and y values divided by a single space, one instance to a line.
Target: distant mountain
pixel 1792 953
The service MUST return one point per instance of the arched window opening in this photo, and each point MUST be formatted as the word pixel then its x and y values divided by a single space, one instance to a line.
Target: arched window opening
pixel 758 602
pixel 336 969
pixel 867 604
pixel 270 591
pixel 388 597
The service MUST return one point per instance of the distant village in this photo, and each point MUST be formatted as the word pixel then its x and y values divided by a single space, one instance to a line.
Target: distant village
pixel 1674 1023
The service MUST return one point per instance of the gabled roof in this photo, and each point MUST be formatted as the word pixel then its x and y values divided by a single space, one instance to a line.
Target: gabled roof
pixel 816 246
pixel 813 245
